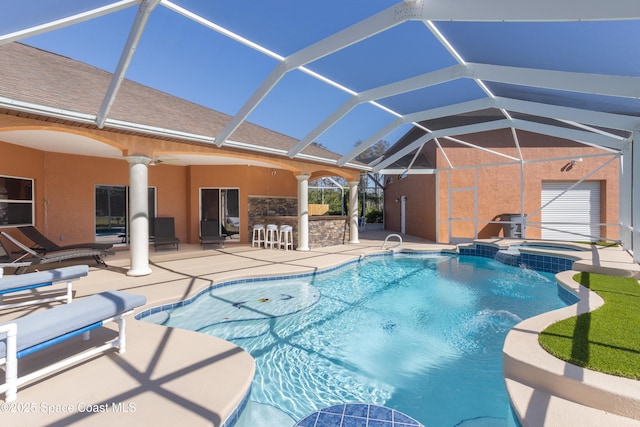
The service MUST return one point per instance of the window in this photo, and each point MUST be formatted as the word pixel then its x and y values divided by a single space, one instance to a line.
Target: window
pixel 16 201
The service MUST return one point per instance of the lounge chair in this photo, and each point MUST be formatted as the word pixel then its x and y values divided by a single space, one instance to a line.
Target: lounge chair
pixel 33 257
pixel 164 232
pixel 210 233
pixel 46 245
pixel 9 261
pixel 34 332
pixel 22 283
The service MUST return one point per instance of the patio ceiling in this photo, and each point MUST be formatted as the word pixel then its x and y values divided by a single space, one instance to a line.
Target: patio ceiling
pixel 349 74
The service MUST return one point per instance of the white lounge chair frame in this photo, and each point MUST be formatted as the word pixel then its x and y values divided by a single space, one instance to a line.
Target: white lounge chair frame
pixel 10 361
pixel 12 381
pixel 30 281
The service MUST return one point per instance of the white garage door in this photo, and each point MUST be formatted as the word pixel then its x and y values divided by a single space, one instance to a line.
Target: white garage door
pixel 578 211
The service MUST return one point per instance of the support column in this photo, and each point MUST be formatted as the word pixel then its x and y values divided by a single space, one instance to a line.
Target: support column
pixel 635 201
pixel 139 215
pixel 403 215
pixel 303 212
pixel 625 219
pixel 353 212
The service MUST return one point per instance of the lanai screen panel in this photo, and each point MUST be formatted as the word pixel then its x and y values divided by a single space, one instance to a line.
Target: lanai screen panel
pixel 300 68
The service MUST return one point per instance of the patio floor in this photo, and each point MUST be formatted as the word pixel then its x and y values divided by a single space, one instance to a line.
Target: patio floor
pixel 167 376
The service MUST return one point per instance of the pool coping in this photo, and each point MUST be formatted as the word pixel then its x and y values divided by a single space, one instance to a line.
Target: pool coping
pixel 526 363
pixel 181 274
pixel 539 383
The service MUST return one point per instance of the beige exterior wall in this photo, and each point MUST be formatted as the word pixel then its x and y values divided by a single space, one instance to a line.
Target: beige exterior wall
pixel 65 183
pixel 420 205
pixel 251 180
pixel 498 187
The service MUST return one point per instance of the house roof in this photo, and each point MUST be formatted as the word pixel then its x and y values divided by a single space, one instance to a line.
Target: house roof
pixel 34 77
pixel 360 72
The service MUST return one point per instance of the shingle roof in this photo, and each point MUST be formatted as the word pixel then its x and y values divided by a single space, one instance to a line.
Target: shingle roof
pixel 35 76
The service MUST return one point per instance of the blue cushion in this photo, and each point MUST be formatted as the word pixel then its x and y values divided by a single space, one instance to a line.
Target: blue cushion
pixel 20 281
pixel 52 323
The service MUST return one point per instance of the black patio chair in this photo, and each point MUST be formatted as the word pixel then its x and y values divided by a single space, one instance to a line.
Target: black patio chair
pixel 210 233
pixel 30 257
pixel 43 244
pixel 164 232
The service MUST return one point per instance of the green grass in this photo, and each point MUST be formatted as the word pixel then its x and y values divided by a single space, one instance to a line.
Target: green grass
pixel 607 339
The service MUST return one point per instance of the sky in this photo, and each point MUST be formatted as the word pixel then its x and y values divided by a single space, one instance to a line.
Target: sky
pixel 180 57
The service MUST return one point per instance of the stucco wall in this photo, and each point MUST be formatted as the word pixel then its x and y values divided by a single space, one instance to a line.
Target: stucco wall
pixel 498 187
pixel 420 205
pixel 251 180
pixel 24 163
pixel 68 213
pixel 65 189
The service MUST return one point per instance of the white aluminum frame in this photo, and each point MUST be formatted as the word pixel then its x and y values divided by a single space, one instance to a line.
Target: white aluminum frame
pixel 12 381
pixel 428 12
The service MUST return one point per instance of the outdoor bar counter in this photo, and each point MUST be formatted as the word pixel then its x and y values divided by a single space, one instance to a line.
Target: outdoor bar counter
pixel 324 230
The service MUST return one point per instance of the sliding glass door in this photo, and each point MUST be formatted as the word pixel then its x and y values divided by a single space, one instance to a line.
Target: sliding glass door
pixel 112 212
pixel 222 205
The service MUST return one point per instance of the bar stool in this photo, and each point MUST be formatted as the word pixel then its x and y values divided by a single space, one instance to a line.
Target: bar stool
pixel 258 235
pixel 286 237
pixel 271 236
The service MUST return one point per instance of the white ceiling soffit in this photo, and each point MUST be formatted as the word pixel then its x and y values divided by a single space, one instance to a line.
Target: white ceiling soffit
pixel 201 160
pixel 68 143
pixel 59 142
pixel 538 81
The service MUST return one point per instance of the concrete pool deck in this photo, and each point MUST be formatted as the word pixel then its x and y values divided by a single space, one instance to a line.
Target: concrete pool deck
pixel 177 377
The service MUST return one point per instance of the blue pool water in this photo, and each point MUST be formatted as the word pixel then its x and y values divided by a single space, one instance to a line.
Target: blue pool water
pixel 419 334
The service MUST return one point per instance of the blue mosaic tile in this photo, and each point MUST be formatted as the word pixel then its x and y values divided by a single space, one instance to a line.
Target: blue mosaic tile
pixel 399 417
pixel 546 263
pixel 354 422
pixel 357 409
pixel 336 409
pixel 380 413
pixel 309 421
pixel 358 415
pixel 328 420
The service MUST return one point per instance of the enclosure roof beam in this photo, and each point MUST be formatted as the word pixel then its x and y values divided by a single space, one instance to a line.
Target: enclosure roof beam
pixel 142 17
pixel 595 118
pixel 445 133
pixel 523 11
pixel 66 21
pixel 413 118
pixel 620 86
pixel 375 24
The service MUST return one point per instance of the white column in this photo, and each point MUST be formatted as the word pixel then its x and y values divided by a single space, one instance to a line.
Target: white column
pixel 303 212
pixel 403 214
pixel 625 219
pixel 353 212
pixel 635 201
pixel 139 215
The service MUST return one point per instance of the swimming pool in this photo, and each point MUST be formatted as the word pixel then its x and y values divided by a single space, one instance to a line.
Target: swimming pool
pixel 420 334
